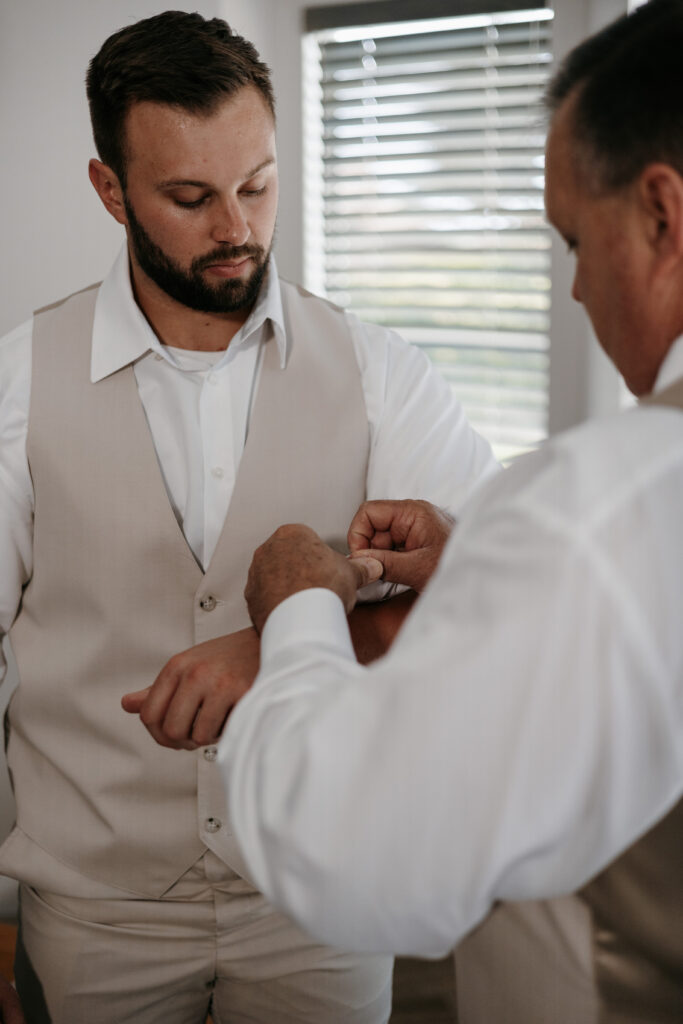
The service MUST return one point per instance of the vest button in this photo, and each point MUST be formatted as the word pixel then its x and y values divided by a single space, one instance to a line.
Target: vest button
pixel 208 603
pixel 210 753
pixel 213 824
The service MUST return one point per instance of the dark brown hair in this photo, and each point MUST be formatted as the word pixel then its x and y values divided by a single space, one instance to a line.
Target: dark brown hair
pixel 177 58
pixel 628 83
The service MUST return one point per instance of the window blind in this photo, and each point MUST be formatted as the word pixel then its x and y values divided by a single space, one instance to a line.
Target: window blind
pixel 424 199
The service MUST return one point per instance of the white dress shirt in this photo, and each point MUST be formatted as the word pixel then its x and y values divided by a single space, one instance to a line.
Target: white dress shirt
pixel 526 726
pixel 198 407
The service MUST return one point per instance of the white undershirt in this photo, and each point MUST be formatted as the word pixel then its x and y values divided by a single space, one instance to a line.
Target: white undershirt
pixel 198 436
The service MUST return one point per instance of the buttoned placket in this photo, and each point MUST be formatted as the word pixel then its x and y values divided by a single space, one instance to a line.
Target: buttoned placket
pixel 211 807
pixel 223 415
pixel 224 402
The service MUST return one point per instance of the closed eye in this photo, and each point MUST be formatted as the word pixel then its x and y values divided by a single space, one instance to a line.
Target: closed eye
pixel 189 204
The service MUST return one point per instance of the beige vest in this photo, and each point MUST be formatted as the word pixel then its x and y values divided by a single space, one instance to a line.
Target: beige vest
pixel 611 954
pixel 116 591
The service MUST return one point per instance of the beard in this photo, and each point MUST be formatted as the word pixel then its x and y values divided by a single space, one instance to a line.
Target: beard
pixel 188 287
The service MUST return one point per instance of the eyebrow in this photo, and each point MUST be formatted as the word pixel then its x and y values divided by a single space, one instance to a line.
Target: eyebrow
pixel 178 182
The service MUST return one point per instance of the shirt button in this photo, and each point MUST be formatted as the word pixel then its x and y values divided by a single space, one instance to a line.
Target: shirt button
pixel 213 381
pixel 217 471
pixel 158 358
pixel 210 753
pixel 213 824
pixel 208 603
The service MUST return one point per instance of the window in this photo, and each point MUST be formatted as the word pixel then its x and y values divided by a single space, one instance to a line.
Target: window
pixel 424 195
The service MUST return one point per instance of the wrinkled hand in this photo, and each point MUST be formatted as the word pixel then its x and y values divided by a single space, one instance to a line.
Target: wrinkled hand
pixel 10 1007
pixel 295 558
pixel 408 537
pixel 189 701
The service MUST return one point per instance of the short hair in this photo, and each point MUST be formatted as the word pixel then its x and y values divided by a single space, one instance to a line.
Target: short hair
pixel 628 83
pixel 176 58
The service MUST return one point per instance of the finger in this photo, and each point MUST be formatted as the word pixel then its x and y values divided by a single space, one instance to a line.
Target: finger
pixel 412 569
pixel 132 702
pixel 431 526
pixel 366 569
pixel 382 540
pixel 156 704
pixel 372 517
pixel 211 717
pixel 373 554
pixel 155 707
pixel 142 703
pixel 178 724
pixel 384 524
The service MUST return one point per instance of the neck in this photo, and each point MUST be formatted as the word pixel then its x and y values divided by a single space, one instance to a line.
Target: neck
pixel 179 326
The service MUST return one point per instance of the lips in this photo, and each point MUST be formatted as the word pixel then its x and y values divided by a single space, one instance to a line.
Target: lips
pixel 230 269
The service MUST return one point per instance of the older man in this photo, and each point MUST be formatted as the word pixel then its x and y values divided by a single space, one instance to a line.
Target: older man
pixel 527 726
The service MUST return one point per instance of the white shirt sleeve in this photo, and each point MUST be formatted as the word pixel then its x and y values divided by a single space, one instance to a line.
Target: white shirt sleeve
pixel 16 491
pixel 421 443
pixel 526 726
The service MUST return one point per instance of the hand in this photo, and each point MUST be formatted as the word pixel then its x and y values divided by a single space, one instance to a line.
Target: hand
pixel 10 1007
pixel 187 704
pixel 406 536
pixel 295 558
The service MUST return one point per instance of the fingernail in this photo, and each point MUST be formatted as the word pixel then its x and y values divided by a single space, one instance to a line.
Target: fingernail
pixel 373 568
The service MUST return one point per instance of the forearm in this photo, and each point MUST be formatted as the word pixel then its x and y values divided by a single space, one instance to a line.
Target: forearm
pixel 388 808
pixel 374 627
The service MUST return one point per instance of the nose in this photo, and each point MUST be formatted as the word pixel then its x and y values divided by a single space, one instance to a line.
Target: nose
pixel 231 224
pixel 576 294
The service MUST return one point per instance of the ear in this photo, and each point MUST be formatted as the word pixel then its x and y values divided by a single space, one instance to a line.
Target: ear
pixel 106 184
pixel 660 191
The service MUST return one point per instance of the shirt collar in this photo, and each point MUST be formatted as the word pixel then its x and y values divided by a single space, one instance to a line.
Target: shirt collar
pixel 121 334
pixel 672 367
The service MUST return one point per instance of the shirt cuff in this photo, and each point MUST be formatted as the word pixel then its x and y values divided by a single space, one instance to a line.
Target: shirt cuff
pixel 314 616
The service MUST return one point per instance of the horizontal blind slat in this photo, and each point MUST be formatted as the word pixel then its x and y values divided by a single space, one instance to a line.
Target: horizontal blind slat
pixel 424 203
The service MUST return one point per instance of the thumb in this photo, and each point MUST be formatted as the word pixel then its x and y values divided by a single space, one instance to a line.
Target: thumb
pixel 408 568
pixel 132 702
pixel 367 569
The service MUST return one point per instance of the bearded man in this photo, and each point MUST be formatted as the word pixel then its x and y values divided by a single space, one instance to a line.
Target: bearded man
pixel 154 429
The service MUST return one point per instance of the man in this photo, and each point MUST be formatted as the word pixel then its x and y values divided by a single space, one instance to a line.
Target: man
pixel 153 430
pixel 527 725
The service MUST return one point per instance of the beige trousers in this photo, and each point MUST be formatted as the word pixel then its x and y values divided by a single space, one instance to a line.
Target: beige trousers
pixel 212 943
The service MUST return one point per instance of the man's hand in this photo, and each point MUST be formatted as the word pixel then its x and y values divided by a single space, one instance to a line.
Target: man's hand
pixel 10 1007
pixel 406 536
pixel 295 558
pixel 189 701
